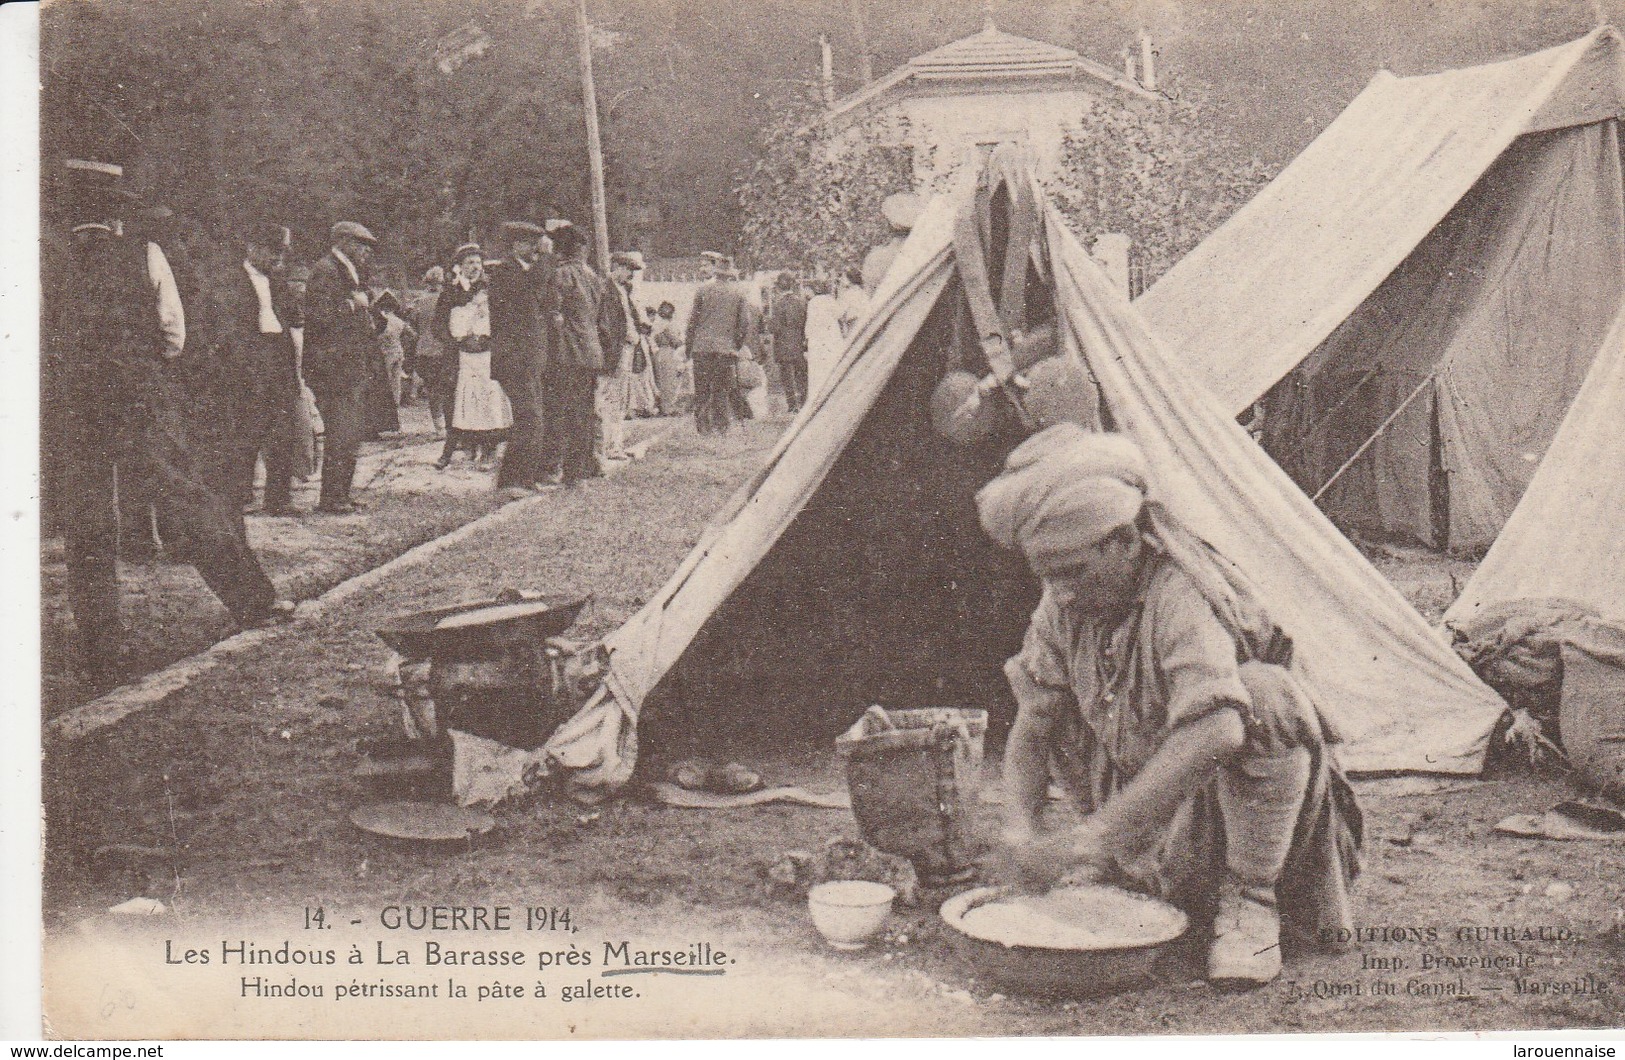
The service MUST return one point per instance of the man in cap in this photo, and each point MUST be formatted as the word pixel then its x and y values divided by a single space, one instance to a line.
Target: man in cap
pixel 522 304
pixel 618 334
pixel 113 324
pixel 787 322
pixel 578 360
pixel 253 323
pixel 1154 687
pixel 720 325
pixel 339 352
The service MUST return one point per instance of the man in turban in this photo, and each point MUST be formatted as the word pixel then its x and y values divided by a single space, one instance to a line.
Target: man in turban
pixel 1155 688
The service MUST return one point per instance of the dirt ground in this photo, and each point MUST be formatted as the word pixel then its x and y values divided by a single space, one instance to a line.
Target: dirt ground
pixel 229 803
pixel 169 612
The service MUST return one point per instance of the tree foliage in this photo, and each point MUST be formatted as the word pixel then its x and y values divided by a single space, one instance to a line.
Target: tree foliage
pixel 1159 175
pixel 812 200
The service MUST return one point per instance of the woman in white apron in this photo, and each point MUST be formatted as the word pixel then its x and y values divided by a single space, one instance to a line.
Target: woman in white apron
pixel 480 414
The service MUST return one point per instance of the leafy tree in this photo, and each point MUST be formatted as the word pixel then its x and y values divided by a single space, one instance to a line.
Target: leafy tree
pixel 812 200
pixel 1160 175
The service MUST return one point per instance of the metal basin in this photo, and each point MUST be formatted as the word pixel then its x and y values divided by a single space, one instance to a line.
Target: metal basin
pixel 1059 970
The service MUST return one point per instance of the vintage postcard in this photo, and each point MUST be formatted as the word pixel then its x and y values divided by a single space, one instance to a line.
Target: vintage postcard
pixel 651 519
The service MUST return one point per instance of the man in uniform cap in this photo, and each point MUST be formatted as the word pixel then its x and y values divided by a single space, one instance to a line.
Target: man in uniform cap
pixel 522 305
pixel 1154 686
pixel 720 325
pixel 339 352
pixel 112 324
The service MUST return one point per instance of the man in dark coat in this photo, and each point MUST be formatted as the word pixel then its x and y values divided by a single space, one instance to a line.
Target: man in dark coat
pixel 720 326
pixel 522 304
pixel 339 352
pixel 113 326
pixel 578 360
pixel 788 325
pixel 252 325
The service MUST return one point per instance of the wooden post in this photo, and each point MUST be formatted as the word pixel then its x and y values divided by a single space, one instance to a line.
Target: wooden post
pixel 595 149
pixel 827 71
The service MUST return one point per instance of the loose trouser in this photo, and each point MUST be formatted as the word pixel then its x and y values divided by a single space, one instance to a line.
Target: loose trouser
pixel 343 405
pixel 611 397
pixel 571 421
pixel 268 418
pixel 715 386
pixel 525 460
pixel 793 377
pixel 439 375
pixel 1278 819
pixel 135 424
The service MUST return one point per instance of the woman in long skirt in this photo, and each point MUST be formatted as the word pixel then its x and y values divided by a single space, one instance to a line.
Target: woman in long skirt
pixel 480 414
pixel 673 379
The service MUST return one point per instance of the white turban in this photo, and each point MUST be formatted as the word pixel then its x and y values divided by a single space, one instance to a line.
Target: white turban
pixel 1062 491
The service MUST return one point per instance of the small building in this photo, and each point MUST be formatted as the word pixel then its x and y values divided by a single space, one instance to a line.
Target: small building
pixel 961 100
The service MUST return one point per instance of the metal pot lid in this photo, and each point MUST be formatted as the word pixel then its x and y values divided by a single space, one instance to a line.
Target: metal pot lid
pixel 426 822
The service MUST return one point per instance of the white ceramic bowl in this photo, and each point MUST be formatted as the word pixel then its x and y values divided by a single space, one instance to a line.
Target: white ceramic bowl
pixel 848 913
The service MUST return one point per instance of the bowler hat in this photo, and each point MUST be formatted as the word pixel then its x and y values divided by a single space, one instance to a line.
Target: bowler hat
pixel 517 230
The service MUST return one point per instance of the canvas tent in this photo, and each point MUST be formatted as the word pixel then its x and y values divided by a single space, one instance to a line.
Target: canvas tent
pixel 1566 539
pixel 1435 272
pixel 851 570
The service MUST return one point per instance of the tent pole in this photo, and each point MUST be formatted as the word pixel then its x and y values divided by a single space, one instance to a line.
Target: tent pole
pixel 1392 416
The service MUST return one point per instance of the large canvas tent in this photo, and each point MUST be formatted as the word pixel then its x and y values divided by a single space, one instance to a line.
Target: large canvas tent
pixel 1431 278
pixel 1566 539
pixel 851 570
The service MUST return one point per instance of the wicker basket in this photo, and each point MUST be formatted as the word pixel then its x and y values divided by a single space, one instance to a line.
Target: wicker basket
pixel 913 775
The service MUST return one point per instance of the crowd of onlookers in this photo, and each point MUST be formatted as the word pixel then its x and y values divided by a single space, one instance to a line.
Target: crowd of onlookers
pixel 169 388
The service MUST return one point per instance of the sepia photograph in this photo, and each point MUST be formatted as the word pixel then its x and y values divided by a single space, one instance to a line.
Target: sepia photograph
pixel 760 519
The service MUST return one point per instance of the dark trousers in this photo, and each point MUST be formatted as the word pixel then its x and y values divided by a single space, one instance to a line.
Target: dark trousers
pixel 525 461
pixel 343 405
pixel 135 426
pixel 571 422
pixel 716 383
pixel 268 419
pixel 439 375
pixel 793 377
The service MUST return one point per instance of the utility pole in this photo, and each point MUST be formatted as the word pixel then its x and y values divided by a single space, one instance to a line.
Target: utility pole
pixel 595 148
pixel 866 65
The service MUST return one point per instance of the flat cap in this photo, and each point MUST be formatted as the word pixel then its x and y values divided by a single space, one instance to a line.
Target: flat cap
pixel 713 256
pixel 522 230
pixel 553 224
pixel 630 258
pixel 465 250
pixel 108 170
pixel 353 230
